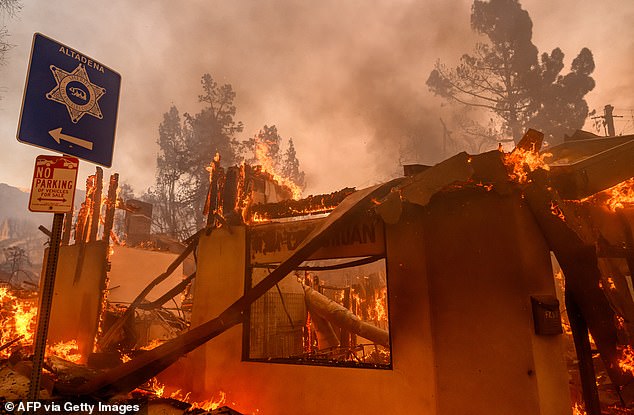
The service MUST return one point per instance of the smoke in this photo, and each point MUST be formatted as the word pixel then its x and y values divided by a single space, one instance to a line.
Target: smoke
pixel 345 80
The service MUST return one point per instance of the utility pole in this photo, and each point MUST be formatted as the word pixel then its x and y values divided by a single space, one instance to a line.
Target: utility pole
pixel 608 120
pixel 446 135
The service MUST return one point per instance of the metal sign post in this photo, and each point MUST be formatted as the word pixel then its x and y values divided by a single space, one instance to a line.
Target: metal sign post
pixel 52 190
pixel 44 310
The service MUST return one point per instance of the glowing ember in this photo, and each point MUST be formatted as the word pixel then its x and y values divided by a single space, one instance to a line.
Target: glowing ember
pixel 66 350
pixel 559 277
pixel 555 210
pixel 578 409
pixel 626 361
pixel 488 187
pixel 611 283
pixel 520 162
pixel 258 218
pixel 151 345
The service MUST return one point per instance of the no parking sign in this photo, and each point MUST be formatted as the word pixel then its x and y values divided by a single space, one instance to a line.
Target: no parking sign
pixel 53 187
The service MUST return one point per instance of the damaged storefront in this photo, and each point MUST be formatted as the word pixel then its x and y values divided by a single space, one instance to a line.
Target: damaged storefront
pixel 433 293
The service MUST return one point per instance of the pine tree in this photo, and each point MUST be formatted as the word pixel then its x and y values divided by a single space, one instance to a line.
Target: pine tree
pixel 208 132
pixel 290 166
pixel 171 209
pixel 505 76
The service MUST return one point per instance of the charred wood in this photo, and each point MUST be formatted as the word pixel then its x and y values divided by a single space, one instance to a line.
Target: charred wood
pixel 311 205
pixel 111 203
pixel 96 205
pixel 68 225
pixel 230 196
pixel 584 354
pixel 179 288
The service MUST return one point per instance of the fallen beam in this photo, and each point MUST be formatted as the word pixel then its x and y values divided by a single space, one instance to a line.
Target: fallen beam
pixel 341 317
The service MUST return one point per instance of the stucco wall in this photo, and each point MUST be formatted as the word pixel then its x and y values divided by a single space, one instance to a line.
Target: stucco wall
pixel 460 275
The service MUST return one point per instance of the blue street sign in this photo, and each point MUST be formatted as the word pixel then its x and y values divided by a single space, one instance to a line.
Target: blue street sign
pixel 70 103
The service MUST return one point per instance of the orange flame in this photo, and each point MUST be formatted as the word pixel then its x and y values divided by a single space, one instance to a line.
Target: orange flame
pixel 263 159
pixel 578 409
pixel 17 318
pixel 156 387
pixel 66 350
pixel 621 195
pixel 380 306
pixel 212 403
pixel 555 210
pixel 520 162
pixel 206 405
pixel 616 197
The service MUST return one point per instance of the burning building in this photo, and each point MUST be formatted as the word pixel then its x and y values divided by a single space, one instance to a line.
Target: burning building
pixel 433 293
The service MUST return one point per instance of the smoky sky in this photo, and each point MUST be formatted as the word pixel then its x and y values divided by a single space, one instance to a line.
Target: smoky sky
pixel 344 79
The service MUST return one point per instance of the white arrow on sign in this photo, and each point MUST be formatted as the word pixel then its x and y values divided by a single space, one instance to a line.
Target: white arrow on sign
pixel 57 136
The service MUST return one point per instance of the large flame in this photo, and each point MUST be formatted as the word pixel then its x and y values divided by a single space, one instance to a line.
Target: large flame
pixel 66 350
pixel 262 158
pixel 18 319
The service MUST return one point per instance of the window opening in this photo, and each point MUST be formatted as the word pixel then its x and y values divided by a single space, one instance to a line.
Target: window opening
pixel 327 312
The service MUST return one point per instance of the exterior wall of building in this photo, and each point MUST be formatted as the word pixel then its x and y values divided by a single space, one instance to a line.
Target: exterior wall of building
pixel 485 259
pixel 77 298
pixel 460 275
pixel 132 269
